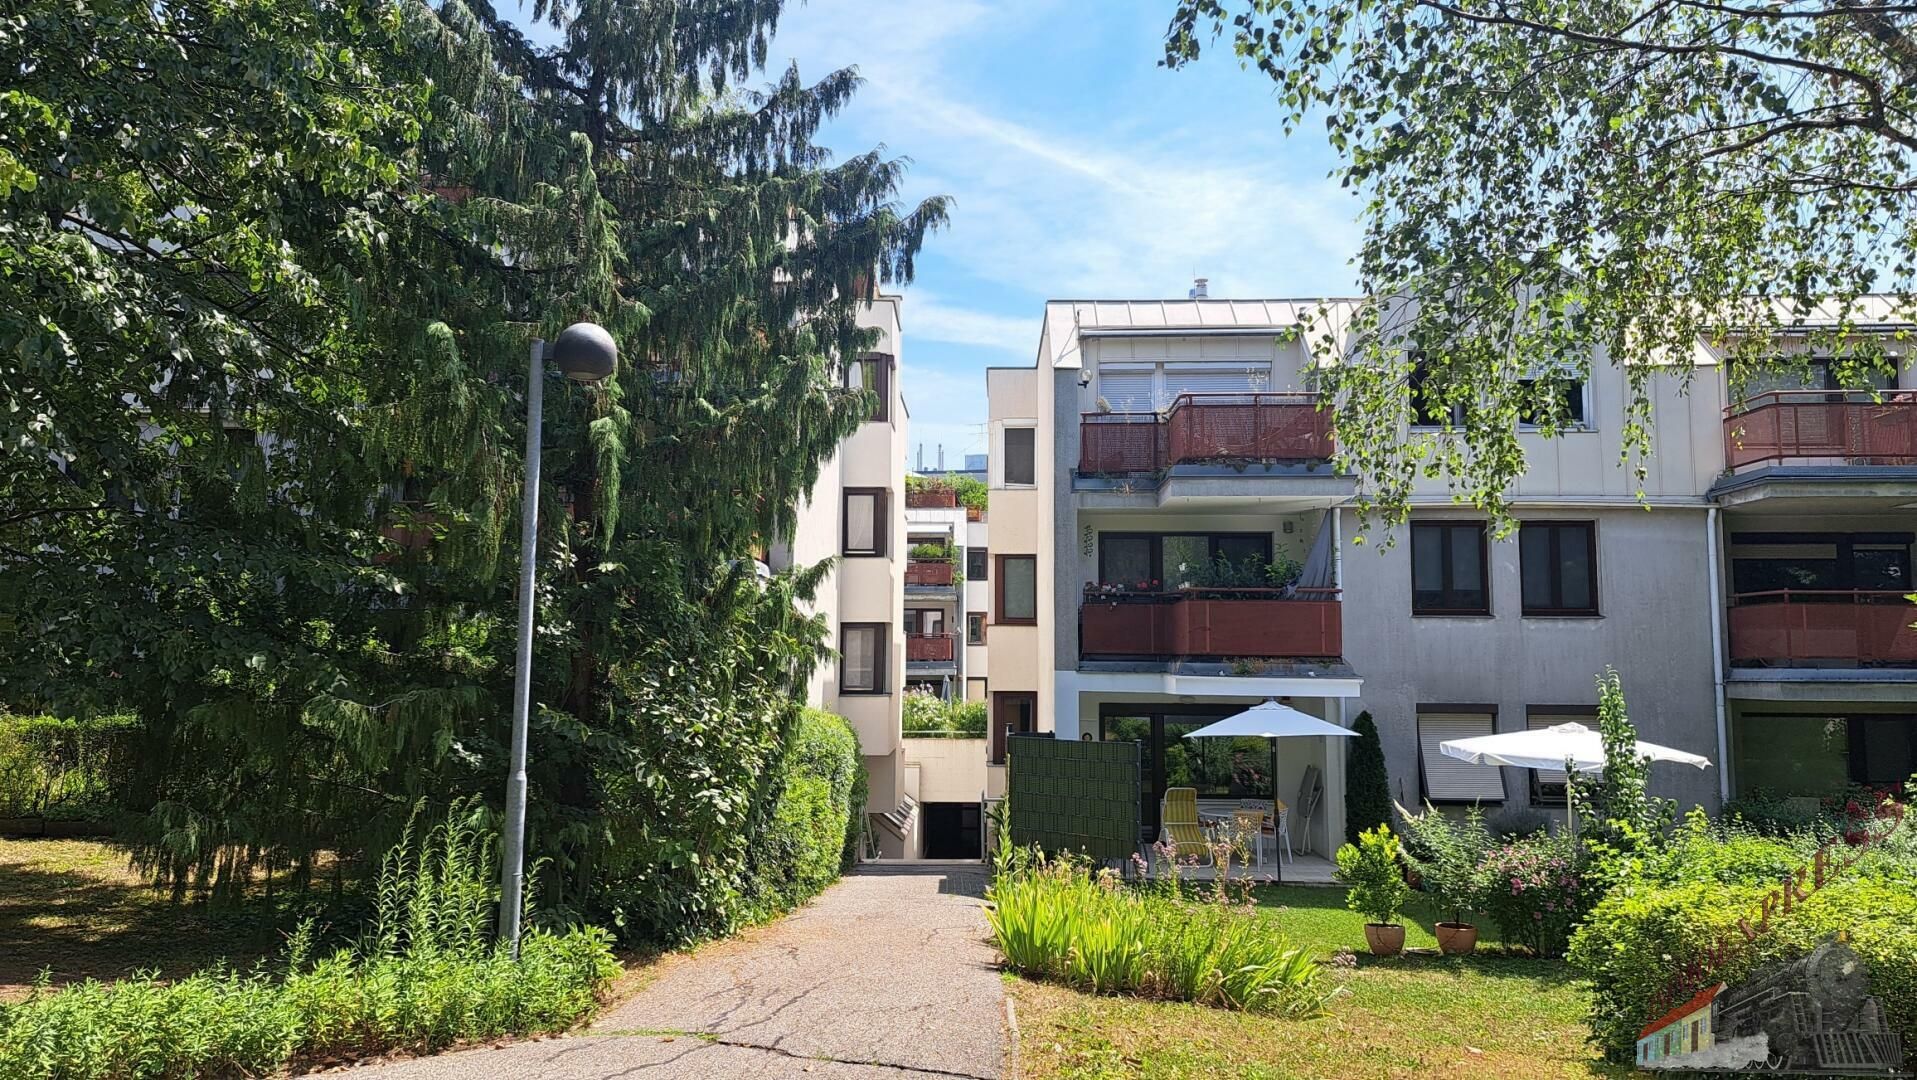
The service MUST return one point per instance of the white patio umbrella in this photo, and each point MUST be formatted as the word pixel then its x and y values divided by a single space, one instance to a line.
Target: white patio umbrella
pixel 1269 720
pixel 1556 747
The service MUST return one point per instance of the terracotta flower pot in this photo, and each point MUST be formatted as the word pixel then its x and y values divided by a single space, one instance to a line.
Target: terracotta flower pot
pixel 1385 939
pixel 1456 938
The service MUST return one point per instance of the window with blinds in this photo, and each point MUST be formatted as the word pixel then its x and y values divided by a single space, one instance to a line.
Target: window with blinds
pixel 1548 786
pixel 1142 387
pixel 1127 391
pixel 1446 779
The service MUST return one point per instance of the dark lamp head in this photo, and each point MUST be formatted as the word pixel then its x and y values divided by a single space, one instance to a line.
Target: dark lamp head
pixel 585 352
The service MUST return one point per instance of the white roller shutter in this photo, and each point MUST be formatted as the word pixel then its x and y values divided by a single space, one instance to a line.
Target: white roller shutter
pixel 1126 391
pixel 1446 779
pixel 1233 381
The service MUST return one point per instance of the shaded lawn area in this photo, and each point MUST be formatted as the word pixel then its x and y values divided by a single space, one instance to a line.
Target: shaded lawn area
pixel 75 908
pixel 1489 1014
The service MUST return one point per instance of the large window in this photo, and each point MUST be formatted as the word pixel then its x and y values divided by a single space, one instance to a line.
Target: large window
pixel 874 373
pixel 977 560
pixel 1153 562
pixel 1559 567
pixel 1771 562
pixel 1449 572
pixel 1424 411
pixel 865 521
pixel 1018 589
pixel 862 648
pixel 1021 461
pixel 1570 392
pixel 1447 779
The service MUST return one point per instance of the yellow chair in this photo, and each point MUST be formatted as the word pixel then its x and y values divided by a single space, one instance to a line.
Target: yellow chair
pixel 1178 823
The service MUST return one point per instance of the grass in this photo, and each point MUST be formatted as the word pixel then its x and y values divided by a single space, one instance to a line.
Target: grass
pixel 74 908
pixel 1490 1014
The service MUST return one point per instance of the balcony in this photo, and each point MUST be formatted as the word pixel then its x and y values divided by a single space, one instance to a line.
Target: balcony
pixel 1204 429
pixel 929 648
pixel 932 499
pixel 1823 628
pixel 1223 623
pixel 929 572
pixel 1817 427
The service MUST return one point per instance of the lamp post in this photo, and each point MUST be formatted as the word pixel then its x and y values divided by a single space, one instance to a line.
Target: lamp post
pixel 585 353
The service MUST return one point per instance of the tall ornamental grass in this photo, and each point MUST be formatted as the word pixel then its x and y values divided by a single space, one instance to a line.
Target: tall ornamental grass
pixel 426 975
pixel 1057 920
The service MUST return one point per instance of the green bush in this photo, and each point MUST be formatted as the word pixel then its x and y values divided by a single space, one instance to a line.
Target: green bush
pixel 1449 856
pixel 1056 920
pixel 1372 876
pixel 65 769
pixel 816 823
pixel 425 975
pixel 927 714
pixel 1536 891
pixel 1367 787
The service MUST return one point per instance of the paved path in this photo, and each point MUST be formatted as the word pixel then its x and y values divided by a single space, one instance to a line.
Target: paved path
pixel 886 975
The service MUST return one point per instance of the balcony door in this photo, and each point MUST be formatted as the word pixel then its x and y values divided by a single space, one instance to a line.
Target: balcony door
pixel 1013 713
pixel 925 621
pixel 1215 768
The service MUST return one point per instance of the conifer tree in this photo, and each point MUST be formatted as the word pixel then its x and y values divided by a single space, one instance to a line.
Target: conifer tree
pixel 1367 787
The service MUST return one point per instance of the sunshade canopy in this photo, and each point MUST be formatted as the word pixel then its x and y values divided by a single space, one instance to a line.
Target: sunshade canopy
pixel 1550 748
pixel 1268 720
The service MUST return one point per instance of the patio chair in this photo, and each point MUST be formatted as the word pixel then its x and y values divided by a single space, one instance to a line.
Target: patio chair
pixel 1178 824
pixel 1277 826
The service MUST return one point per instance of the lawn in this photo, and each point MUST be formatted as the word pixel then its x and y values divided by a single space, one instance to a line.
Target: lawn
pixel 1415 1016
pixel 74 908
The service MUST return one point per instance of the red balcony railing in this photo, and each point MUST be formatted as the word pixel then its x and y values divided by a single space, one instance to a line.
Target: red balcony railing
pixel 932 499
pixel 1256 623
pixel 929 647
pixel 1785 626
pixel 1206 427
pixel 1837 427
pixel 928 572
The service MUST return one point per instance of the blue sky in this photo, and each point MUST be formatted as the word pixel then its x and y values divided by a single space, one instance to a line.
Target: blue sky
pixel 1078 168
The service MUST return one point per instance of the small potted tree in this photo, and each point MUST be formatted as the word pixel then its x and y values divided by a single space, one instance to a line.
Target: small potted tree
pixel 1449 859
pixel 1373 877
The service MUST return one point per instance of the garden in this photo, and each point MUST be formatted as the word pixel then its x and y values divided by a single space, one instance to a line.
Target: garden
pixel 1456 946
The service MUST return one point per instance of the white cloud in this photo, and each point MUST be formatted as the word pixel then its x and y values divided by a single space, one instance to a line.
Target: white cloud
pixel 929 319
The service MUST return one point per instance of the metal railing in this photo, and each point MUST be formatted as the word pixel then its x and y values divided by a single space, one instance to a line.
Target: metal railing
pixel 1206 427
pixel 1222 622
pixel 928 572
pixel 1785 626
pixel 929 647
pixel 1838 426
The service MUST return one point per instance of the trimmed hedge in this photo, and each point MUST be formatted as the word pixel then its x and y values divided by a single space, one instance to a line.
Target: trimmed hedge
pixel 67 770
pixel 820 816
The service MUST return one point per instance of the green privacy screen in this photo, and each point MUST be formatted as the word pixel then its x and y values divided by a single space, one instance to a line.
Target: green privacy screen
pixel 1073 796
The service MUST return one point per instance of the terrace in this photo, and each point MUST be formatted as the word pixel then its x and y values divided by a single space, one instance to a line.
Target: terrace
pixel 1292 623
pixel 1206 428
pixel 1820 427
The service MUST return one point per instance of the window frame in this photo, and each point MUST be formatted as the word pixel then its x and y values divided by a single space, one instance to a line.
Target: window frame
pixel 975 621
pixel 1580 393
pixel 1000 701
pixel 998 592
pixel 881 646
pixel 1005 470
pixel 881 533
pixel 1558 611
pixel 1157 547
pixel 1489 712
pixel 881 385
pixel 1414 387
pixel 1448 526
pixel 978 564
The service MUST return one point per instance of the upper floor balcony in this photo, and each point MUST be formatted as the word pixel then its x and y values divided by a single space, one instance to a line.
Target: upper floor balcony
pixel 929 572
pixel 1206 428
pixel 938 648
pixel 1821 427
pixel 1823 628
pixel 932 498
pixel 1222 624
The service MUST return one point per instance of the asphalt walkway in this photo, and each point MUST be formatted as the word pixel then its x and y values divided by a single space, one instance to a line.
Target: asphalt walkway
pixel 888 974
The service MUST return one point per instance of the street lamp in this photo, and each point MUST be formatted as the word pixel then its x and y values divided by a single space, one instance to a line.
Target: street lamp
pixel 585 353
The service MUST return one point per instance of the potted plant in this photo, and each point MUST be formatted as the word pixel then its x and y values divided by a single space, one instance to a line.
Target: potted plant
pixel 1448 857
pixel 1373 877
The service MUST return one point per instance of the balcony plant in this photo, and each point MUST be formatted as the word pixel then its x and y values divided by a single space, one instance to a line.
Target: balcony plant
pixel 1220 576
pixel 1449 856
pixel 1117 590
pixel 1372 873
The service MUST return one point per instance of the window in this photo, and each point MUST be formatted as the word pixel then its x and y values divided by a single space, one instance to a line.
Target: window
pixel 1151 562
pixel 975 628
pixel 1445 778
pixel 1771 562
pixel 1021 463
pixel 862 649
pixel 1425 412
pixel 1569 391
pixel 873 373
pixel 1548 785
pixel 977 560
pixel 924 621
pixel 864 525
pixel 1141 386
pixel 1018 589
pixel 1012 714
pixel 1449 571
pixel 1559 567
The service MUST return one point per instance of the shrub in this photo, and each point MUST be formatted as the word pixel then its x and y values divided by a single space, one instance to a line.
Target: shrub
pixel 1517 822
pixel 1535 891
pixel 1056 920
pixel 425 975
pixel 819 814
pixel 1614 806
pixel 927 714
pixel 66 769
pixel 1372 876
pixel 1367 787
pixel 1449 856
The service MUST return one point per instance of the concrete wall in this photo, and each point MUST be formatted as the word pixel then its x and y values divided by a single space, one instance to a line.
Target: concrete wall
pixel 1653 585
pixel 950 770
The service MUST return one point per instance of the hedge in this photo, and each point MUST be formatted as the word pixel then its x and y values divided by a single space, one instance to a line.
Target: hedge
pixel 64 769
pixel 819 818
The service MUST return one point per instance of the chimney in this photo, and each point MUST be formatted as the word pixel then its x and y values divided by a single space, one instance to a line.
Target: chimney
pixel 1200 290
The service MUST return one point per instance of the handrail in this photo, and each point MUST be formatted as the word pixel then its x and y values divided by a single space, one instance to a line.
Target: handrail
pixel 1212 397
pixel 940 634
pixel 1771 398
pixel 1251 593
pixel 1856 595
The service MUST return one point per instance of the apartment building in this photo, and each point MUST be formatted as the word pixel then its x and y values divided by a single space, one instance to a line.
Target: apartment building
pixel 1170 543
